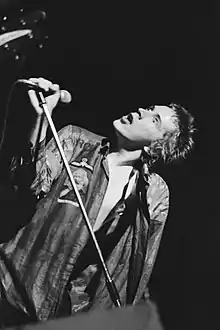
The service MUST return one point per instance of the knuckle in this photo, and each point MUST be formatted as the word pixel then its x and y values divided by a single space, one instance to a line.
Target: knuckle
pixel 55 87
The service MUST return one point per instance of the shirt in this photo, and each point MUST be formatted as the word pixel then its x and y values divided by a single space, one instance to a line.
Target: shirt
pixel 45 253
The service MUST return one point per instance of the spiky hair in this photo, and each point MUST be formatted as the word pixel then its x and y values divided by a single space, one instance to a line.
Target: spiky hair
pixel 175 145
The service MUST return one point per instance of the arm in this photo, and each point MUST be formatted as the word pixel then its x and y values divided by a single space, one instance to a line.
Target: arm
pixel 158 204
pixel 23 164
pixel 157 199
pixel 39 128
pixel 30 179
pixel 49 163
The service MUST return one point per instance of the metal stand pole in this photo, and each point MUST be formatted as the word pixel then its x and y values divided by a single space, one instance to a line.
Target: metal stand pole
pixel 110 283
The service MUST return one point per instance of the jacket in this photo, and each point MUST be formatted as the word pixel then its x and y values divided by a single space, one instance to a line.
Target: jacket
pixel 43 256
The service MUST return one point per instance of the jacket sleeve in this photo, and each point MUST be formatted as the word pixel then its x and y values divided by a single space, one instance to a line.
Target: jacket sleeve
pixel 49 163
pixel 158 205
pixel 38 172
pixel 157 199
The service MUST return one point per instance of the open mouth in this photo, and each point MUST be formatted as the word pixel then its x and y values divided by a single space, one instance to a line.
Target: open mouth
pixel 131 117
pixel 127 119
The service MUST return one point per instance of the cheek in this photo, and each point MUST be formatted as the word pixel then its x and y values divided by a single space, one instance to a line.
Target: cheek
pixel 142 132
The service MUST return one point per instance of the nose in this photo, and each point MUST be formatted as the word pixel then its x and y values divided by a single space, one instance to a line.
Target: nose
pixel 143 112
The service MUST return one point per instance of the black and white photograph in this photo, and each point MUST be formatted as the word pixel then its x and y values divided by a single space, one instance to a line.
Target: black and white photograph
pixel 109 165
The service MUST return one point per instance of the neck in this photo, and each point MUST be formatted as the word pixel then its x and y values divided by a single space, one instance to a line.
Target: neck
pixel 123 154
pixel 123 157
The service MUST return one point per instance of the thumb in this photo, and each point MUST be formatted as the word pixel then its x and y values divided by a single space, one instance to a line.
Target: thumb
pixel 55 87
pixel 57 92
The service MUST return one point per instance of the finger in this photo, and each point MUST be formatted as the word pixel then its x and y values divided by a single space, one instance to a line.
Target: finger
pixel 38 80
pixel 55 87
pixel 33 98
pixel 48 85
pixel 32 95
pixel 35 80
pixel 45 84
pixel 42 83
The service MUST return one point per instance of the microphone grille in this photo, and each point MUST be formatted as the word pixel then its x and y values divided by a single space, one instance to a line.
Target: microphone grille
pixel 65 96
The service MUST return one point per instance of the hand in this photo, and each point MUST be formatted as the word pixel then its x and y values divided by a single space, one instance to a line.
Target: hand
pixel 51 100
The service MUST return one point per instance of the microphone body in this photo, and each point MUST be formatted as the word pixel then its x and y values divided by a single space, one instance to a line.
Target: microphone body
pixel 65 96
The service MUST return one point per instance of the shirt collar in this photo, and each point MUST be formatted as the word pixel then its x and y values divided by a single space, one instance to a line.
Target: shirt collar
pixel 105 147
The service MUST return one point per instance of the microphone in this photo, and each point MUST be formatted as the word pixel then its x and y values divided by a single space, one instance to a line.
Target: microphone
pixel 65 96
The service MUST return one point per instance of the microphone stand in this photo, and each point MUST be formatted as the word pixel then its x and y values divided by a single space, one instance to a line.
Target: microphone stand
pixel 109 282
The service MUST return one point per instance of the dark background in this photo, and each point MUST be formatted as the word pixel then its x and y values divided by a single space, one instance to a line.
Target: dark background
pixel 113 58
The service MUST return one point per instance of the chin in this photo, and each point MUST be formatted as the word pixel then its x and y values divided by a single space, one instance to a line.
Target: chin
pixel 117 125
pixel 116 122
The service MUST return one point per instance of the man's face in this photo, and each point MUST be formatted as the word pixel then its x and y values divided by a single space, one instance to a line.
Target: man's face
pixel 146 125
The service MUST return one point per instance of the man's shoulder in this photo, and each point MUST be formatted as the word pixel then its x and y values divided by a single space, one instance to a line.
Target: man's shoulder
pixel 79 132
pixel 157 186
pixel 158 197
pixel 156 180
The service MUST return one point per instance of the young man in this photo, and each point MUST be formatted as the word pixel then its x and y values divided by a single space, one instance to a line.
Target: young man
pixel 52 257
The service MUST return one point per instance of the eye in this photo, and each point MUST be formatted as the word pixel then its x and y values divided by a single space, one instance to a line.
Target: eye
pixel 156 119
